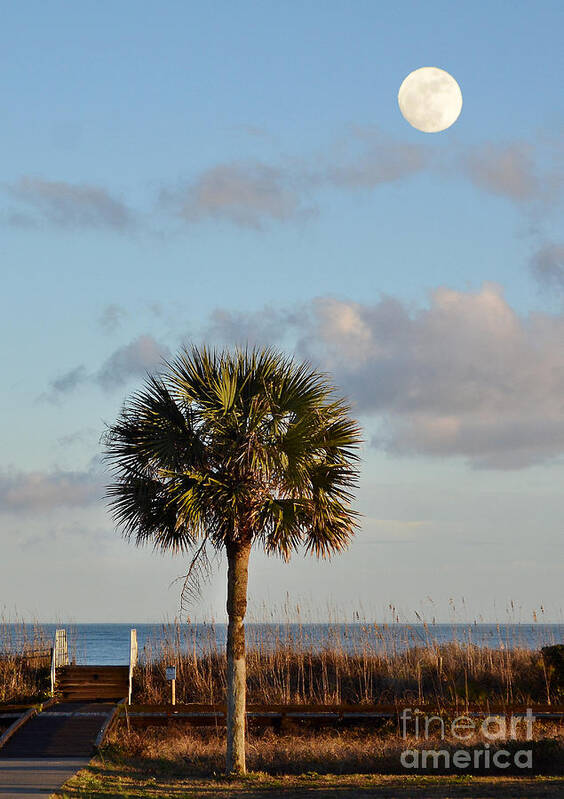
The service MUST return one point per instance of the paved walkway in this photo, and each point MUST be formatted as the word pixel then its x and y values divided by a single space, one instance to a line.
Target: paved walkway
pixel 27 778
pixel 66 729
pixel 50 748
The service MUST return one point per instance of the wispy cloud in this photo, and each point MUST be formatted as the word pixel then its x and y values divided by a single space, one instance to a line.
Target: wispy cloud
pixel 266 326
pixel 111 317
pixel 252 194
pixel 31 492
pixel 508 170
pixel 529 174
pixel 246 194
pixel 256 194
pixel 547 266
pixel 78 437
pixel 66 205
pixel 366 159
pixel 143 354
pixel 135 359
pixel 69 381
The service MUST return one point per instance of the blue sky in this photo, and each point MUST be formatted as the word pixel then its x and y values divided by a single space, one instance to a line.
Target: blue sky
pixel 214 172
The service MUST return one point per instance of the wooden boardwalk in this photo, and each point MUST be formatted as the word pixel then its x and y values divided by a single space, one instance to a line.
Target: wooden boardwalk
pixel 66 729
pixel 288 716
pixel 82 683
pixel 85 701
pixel 43 746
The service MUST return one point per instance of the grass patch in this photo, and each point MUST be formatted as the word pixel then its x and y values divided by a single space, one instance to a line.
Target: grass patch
pixel 200 752
pixel 103 780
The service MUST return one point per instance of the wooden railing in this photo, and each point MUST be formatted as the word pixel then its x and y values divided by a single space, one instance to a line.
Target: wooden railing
pixel 201 714
pixel 33 657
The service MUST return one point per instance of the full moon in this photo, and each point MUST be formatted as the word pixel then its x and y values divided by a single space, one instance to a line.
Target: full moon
pixel 430 99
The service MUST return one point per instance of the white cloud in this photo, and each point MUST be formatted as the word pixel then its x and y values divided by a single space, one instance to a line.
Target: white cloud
pixel 62 204
pixel 466 376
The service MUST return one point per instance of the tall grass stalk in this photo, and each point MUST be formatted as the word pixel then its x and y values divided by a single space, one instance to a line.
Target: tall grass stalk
pixel 24 661
pixel 368 664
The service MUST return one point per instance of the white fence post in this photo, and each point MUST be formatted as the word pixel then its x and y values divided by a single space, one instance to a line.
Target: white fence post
pixel 132 660
pixel 60 656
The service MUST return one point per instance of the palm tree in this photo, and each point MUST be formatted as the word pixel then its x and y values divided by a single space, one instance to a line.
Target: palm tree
pixel 230 449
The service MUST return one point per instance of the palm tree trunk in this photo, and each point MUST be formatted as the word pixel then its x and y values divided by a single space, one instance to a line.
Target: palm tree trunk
pixel 237 577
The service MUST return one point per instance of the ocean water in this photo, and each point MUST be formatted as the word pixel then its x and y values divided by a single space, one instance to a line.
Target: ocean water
pixel 107 644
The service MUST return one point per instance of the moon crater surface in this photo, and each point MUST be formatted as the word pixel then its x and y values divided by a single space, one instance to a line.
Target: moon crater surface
pixel 430 99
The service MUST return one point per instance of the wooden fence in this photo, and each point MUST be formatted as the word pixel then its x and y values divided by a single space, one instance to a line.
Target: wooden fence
pixel 37 658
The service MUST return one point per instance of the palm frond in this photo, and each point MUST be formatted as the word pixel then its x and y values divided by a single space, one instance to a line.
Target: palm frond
pixel 222 444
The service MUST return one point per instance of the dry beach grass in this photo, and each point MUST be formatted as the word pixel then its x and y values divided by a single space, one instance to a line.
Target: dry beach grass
pixel 285 666
pixel 24 662
pixel 201 752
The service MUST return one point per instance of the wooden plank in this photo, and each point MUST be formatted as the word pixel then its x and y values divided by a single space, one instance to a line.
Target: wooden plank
pixel 92 689
pixel 85 693
pixel 99 678
pixel 195 707
pixel 92 675
pixel 92 667
pixel 348 708
pixel 93 686
pixel 93 678
pixel 93 683
pixel 73 686
pixel 86 675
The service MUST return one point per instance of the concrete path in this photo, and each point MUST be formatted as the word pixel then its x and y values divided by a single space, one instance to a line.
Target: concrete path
pixel 24 778
pixel 51 747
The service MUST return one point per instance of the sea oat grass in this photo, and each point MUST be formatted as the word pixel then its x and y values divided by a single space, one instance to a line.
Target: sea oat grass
pixel 24 662
pixel 281 672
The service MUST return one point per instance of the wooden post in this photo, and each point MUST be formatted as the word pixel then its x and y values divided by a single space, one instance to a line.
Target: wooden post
pixel 171 677
pixel 59 655
pixel 132 660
